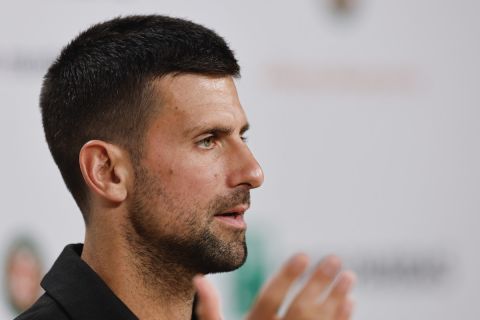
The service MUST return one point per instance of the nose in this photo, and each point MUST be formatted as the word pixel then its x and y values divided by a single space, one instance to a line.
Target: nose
pixel 245 169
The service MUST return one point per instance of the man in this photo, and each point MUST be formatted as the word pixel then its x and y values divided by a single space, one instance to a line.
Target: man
pixel 143 120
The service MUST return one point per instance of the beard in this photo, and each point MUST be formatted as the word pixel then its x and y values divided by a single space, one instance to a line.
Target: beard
pixel 169 235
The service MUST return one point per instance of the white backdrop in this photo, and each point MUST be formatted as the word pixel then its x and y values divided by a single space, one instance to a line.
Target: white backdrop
pixel 366 123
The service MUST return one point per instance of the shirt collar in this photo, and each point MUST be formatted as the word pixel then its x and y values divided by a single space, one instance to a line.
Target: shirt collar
pixel 80 291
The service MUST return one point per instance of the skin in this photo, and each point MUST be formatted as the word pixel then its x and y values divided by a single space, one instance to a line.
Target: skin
pixel 337 305
pixel 195 164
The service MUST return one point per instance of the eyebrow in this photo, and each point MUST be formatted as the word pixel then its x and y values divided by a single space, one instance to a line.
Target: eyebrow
pixel 217 129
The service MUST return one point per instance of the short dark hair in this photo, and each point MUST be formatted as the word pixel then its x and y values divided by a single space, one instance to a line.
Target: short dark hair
pixel 100 85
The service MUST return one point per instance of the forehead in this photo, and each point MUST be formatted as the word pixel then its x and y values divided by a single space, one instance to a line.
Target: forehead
pixel 189 101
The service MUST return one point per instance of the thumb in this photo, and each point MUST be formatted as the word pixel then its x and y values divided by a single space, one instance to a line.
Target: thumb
pixel 208 304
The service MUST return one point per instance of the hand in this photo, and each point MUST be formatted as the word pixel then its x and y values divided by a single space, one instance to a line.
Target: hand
pixel 208 304
pixel 308 304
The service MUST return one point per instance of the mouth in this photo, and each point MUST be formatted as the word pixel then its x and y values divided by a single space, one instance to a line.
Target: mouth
pixel 233 217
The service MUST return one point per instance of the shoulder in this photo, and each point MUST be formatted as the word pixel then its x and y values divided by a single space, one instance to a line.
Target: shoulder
pixel 45 308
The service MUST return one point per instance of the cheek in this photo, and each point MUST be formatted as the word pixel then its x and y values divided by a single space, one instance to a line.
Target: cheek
pixel 196 179
pixel 190 175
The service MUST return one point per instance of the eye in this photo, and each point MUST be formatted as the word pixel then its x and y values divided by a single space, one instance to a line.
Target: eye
pixel 207 142
pixel 244 138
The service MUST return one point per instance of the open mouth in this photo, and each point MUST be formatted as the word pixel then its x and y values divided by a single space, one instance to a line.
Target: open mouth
pixel 233 219
pixel 229 214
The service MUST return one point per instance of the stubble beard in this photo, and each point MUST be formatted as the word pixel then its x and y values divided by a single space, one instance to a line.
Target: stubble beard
pixel 162 253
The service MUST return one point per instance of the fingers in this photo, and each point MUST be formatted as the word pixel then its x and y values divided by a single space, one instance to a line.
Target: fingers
pixel 208 306
pixel 344 312
pixel 319 299
pixel 321 278
pixel 325 295
pixel 273 293
pixel 337 304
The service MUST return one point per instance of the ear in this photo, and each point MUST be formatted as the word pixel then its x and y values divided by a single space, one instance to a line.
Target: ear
pixel 106 169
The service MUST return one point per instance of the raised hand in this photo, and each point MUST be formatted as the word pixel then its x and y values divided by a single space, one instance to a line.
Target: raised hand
pixel 325 296
pixel 208 305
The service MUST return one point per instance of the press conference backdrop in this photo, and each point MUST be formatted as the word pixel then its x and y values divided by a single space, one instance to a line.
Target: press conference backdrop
pixel 365 117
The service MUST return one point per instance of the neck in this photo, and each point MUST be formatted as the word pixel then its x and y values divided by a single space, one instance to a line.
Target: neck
pixel 152 287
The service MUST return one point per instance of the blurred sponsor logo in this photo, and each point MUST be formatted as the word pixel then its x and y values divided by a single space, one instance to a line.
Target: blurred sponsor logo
pixel 414 269
pixel 343 6
pixel 23 274
pixel 342 78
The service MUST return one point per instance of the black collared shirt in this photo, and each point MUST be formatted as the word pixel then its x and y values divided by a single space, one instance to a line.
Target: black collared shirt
pixel 74 291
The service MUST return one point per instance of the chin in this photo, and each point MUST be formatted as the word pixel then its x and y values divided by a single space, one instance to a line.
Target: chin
pixel 225 260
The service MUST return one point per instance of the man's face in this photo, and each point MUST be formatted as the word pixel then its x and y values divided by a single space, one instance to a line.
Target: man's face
pixel 193 180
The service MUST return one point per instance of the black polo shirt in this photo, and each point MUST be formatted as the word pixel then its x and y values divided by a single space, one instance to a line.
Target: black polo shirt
pixel 74 291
